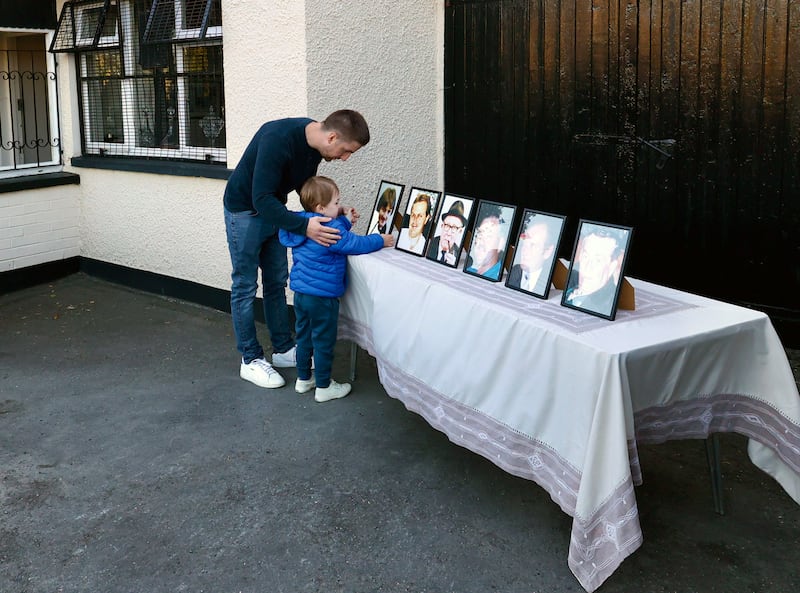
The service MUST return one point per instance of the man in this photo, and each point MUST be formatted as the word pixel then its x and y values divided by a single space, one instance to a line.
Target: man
pixel 534 255
pixel 380 220
pixel 592 283
pixel 446 244
pixel 282 155
pixel 412 238
pixel 487 244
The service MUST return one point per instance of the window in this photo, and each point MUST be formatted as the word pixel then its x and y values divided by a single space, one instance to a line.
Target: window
pixel 150 77
pixel 29 138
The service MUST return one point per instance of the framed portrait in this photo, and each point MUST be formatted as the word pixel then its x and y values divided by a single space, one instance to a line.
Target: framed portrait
pixel 597 268
pixel 386 204
pixel 490 238
pixel 452 220
pixel 535 253
pixel 418 220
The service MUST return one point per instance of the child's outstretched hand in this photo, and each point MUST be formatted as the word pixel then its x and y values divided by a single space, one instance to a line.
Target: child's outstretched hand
pixel 351 213
pixel 388 240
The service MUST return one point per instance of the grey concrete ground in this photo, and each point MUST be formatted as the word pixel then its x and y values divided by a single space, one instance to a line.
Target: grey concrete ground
pixel 133 459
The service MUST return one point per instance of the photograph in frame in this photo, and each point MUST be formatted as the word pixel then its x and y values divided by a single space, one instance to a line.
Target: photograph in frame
pixel 536 252
pixel 417 221
pixel 597 268
pixel 386 204
pixel 491 235
pixel 452 221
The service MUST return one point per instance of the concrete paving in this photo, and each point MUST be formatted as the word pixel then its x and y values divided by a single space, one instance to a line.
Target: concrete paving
pixel 133 459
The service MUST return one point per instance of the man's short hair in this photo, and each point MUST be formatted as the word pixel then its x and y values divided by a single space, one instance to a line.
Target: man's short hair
pixel 617 235
pixel 349 125
pixel 423 198
pixel 550 224
pixel 489 211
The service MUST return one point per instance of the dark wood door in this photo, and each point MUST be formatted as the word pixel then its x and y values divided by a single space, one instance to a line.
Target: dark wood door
pixel 679 118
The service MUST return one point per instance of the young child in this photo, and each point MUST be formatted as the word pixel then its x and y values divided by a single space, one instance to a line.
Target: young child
pixel 318 279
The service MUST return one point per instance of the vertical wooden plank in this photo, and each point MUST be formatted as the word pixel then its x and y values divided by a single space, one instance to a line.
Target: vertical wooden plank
pixel 536 101
pixel 750 113
pixel 773 237
pixel 688 175
pixel 708 123
pixel 599 106
pixel 552 98
pixel 773 139
pixel 628 108
pixel 728 145
pixel 519 113
pixel 790 208
pixel 566 113
pixel 645 57
pixel 669 113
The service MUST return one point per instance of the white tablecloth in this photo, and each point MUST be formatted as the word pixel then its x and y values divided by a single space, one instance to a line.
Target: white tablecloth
pixel 561 397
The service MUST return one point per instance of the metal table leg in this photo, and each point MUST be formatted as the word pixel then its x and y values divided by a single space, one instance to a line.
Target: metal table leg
pixel 353 359
pixel 715 468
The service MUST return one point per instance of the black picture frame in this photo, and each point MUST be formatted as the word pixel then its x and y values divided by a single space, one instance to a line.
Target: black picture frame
pixel 491 236
pixel 454 211
pixel 601 249
pixel 414 231
pixel 388 191
pixel 536 252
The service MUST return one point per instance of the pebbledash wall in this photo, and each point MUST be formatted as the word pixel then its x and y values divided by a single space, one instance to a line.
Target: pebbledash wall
pixel 282 58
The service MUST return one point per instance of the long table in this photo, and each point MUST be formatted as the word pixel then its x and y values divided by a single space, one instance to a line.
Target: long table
pixel 562 398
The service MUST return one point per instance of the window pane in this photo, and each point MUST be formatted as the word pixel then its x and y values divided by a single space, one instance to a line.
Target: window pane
pixel 205 97
pixel 193 11
pixel 89 18
pixel 104 97
pixel 157 112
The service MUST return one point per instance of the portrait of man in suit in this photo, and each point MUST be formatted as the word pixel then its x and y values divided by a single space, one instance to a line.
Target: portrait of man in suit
pixel 592 284
pixel 535 253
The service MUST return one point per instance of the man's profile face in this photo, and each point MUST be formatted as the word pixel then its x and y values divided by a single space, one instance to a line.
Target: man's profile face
pixel 336 149
pixel 486 241
pixel 418 219
pixel 534 250
pixel 596 263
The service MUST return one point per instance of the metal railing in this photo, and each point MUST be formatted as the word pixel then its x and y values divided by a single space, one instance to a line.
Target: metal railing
pixel 28 111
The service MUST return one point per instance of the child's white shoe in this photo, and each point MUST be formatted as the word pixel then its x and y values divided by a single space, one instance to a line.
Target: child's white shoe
pixel 333 391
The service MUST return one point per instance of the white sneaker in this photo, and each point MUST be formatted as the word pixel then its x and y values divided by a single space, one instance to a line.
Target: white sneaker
pixel 304 385
pixel 260 372
pixel 333 391
pixel 285 360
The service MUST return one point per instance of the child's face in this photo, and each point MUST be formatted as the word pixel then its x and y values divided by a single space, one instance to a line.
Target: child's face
pixel 332 208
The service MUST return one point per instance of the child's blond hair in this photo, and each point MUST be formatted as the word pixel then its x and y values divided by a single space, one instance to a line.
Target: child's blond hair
pixel 317 191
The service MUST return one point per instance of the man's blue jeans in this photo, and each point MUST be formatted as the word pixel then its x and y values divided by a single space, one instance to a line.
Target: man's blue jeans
pixel 316 328
pixel 253 244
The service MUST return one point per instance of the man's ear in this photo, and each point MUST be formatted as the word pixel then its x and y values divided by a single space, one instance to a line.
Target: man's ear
pixel 331 137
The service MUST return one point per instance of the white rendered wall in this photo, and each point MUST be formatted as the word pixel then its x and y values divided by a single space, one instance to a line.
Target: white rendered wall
pixel 383 58
pixel 282 58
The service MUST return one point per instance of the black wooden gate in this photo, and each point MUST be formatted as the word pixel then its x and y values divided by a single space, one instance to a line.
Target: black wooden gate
pixel 680 118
